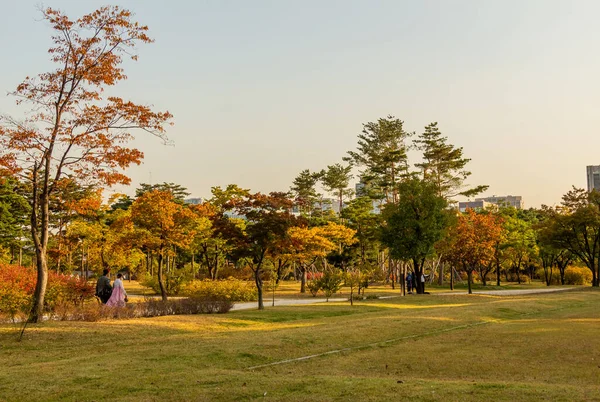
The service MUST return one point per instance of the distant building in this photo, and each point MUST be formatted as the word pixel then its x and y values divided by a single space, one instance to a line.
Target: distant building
pixel 194 201
pixel 476 205
pixel 593 177
pixel 515 201
pixel 359 189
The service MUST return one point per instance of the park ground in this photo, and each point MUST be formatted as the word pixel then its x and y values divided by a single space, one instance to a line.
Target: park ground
pixel 428 347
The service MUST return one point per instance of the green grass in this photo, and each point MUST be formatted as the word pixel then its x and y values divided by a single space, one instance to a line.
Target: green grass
pixel 459 347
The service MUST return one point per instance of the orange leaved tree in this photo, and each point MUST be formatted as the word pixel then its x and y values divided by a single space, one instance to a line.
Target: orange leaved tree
pixel 72 127
pixel 472 240
pixel 163 223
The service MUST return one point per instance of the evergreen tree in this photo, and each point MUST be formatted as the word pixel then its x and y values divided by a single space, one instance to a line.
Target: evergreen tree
pixel 382 152
pixel 304 190
pixel 336 180
pixel 443 164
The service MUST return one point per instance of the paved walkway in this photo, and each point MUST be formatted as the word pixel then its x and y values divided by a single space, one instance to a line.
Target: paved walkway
pixel 283 302
pixel 297 302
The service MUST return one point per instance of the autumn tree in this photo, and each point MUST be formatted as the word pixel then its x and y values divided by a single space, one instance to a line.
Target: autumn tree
pixel 309 244
pixel 413 226
pixel 471 242
pixel 213 249
pixel 73 126
pixel 306 246
pixel 268 219
pixel 575 227
pixel 163 223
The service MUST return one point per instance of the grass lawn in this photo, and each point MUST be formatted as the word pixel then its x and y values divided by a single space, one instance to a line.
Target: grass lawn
pixel 447 348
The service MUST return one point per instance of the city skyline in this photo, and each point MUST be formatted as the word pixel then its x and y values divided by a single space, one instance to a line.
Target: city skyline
pixel 261 92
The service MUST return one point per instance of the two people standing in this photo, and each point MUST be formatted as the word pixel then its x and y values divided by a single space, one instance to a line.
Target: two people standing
pixel 411 282
pixel 113 296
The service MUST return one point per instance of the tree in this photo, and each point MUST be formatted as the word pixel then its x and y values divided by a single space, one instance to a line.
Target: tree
pixel 575 227
pixel 382 152
pixel 74 127
pixel 304 190
pixel 13 215
pixel 179 192
pixel 163 223
pixel 415 224
pixel 472 241
pixel 309 244
pixel 443 164
pixel 520 246
pixel 268 219
pixel 359 216
pixel 335 180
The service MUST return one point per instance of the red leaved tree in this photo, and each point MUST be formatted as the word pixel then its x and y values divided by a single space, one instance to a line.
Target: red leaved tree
pixel 72 128
pixel 471 241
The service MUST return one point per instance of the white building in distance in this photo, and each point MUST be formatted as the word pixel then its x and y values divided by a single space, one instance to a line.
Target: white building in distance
pixel 593 177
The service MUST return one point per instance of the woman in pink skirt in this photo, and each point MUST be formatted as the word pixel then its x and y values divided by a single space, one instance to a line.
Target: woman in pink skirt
pixel 119 296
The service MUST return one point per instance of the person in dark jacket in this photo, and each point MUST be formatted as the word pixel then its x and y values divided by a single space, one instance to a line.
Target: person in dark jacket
pixel 103 287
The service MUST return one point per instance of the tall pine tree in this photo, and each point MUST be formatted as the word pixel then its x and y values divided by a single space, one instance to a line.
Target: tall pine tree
pixel 382 152
pixel 443 164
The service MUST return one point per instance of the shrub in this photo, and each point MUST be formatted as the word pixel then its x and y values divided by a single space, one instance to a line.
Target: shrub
pixel 230 289
pixel 173 283
pixel 578 276
pixel 539 273
pixel 17 285
pixel 149 308
pixel 314 287
pixel 330 282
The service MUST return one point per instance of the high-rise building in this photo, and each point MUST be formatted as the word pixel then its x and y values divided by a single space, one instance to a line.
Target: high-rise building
pixel 515 201
pixel 593 177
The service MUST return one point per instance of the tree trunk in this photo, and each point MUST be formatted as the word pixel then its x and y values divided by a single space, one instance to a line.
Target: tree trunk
pixel 259 287
pixel 40 240
pixel 163 291
pixel 192 263
pixel 470 279
pixel 40 286
pixel 82 261
pixel 302 278
pixel 452 278
pixel 497 273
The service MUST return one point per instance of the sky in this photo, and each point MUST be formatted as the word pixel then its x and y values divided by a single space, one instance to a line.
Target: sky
pixel 263 89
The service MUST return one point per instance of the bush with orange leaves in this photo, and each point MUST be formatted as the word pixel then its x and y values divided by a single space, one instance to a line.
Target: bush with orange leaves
pixel 17 285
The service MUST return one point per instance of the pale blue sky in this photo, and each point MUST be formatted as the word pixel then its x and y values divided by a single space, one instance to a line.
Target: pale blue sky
pixel 263 89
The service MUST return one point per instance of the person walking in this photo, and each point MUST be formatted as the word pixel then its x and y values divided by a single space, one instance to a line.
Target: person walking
pixel 409 283
pixel 103 287
pixel 119 296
